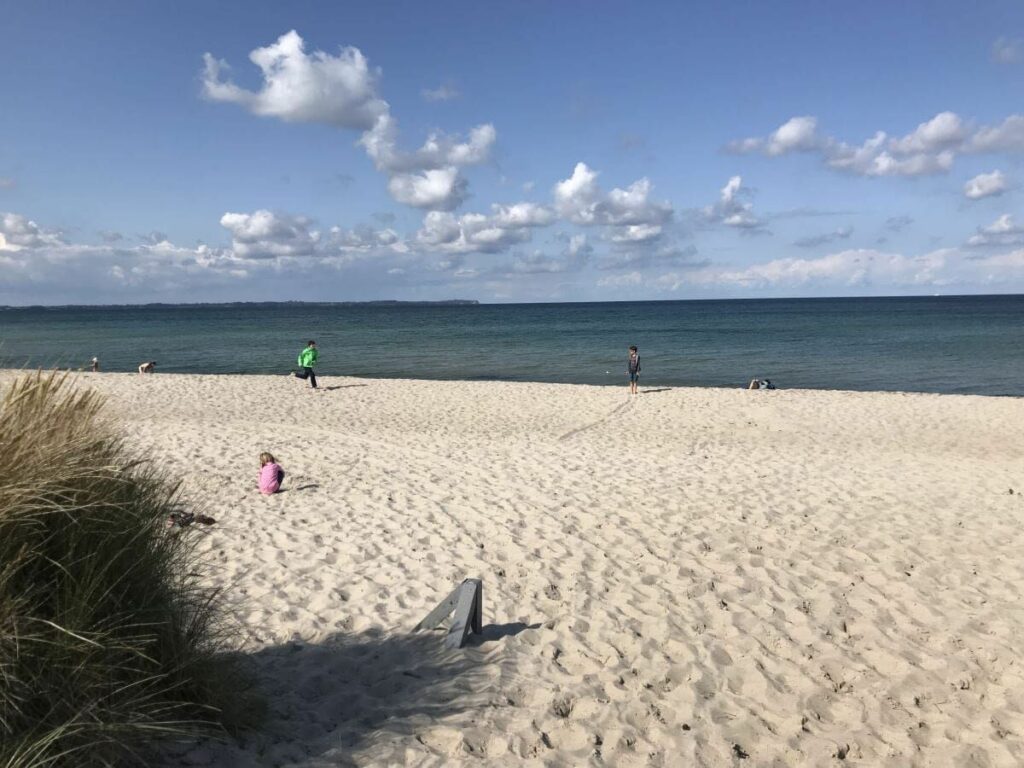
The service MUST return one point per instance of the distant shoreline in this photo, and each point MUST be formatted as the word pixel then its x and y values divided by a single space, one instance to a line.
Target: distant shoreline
pixel 174 305
pixel 477 303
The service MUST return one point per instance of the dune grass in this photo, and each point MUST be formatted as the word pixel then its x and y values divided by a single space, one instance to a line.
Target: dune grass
pixel 109 638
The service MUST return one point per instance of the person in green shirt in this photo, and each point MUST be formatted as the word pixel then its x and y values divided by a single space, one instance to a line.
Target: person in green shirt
pixel 307 359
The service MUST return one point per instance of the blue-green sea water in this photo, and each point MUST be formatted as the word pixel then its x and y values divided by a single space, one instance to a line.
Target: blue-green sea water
pixel 965 344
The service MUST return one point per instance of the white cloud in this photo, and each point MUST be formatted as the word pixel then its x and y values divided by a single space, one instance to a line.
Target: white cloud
pixel 1008 136
pixel 299 87
pixel 985 185
pixel 1003 231
pixel 342 91
pixel 944 131
pixel 438 150
pixel 848 269
pixel 37 264
pixel 930 148
pixel 18 232
pixel 798 134
pixel 580 199
pixel 440 189
pixel 843 233
pixel 443 92
pixel 266 235
pixel 363 239
pixel 574 256
pixel 636 233
pixel 504 227
pixel 1006 50
pixel 863 271
pixel 733 208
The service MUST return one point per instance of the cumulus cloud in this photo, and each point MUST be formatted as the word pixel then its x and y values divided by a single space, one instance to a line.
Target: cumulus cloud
pixel 438 151
pixel 299 87
pixel 443 92
pixel 1006 50
pixel 813 241
pixel 574 256
pixel 930 148
pixel 18 232
pixel 798 134
pixel 362 239
pixel 266 235
pixel 341 90
pixel 1007 136
pixel 581 200
pixel 985 185
pixel 734 208
pixel 505 226
pixel 441 189
pixel 1003 231
pixel 944 131
pixel 39 264
pixel 636 233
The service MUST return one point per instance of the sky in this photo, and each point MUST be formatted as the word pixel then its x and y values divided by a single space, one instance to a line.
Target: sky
pixel 513 152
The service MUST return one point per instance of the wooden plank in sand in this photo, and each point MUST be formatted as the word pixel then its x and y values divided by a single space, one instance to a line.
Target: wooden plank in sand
pixel 467 600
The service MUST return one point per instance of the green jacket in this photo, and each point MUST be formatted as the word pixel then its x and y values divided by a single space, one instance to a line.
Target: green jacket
pixel 307 357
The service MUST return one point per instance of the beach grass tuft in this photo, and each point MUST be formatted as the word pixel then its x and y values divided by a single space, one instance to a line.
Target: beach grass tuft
pixel 109 639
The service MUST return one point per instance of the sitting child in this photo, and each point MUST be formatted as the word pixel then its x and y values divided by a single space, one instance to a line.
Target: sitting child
pixel 271 474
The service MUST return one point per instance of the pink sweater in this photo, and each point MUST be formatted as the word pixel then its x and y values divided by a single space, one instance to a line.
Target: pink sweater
pixel 270 480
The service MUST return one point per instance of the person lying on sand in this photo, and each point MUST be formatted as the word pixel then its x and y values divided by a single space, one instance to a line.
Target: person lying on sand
pixel 149 367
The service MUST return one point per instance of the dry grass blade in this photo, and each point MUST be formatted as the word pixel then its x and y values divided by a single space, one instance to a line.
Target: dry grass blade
pixel 108 638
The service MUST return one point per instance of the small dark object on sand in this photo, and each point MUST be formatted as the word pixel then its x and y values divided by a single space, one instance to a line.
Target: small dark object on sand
pixel 185 519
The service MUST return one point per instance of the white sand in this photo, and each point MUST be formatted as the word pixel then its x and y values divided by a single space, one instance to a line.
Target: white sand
pixel 682 578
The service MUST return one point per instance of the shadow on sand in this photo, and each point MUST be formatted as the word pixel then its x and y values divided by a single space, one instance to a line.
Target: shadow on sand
pixel 333 701
pixel 652 391
pixel 342 386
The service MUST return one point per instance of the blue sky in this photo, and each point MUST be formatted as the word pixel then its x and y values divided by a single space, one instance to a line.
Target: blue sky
pixel 514 152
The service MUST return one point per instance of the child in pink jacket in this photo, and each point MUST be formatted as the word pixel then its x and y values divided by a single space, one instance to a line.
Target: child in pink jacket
pixel 271 474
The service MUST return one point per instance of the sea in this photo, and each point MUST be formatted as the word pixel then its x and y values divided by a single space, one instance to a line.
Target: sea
pixel 947 344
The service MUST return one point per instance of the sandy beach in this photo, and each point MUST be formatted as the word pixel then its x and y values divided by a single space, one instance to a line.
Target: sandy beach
pixel 686 577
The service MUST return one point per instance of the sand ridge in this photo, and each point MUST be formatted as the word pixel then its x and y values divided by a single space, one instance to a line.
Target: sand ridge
pixel 688 577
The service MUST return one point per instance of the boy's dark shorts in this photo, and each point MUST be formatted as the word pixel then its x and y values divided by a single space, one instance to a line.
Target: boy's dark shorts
pixel 634 377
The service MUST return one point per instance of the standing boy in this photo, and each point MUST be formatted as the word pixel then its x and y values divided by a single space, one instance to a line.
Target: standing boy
pixel 307 359
pixel 633 367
